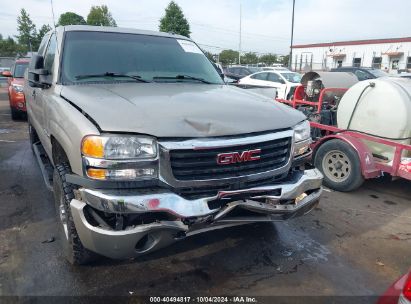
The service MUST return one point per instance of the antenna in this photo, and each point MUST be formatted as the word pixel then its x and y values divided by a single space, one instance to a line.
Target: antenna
pixel 52 12
pixel 54 23
pixel 239 47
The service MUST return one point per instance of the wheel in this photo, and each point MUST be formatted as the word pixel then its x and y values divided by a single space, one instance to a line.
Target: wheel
pixel 340 165
pixel 72 247
pixel 15 114
pixel 33 137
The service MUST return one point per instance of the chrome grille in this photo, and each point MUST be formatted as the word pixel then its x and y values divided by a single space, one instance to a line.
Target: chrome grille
pixel 201 164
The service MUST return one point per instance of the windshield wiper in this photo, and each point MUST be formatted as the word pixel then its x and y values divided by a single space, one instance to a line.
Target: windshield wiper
pixel 110 74
pixel 183 77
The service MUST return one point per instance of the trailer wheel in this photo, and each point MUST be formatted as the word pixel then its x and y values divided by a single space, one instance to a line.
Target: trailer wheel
pixel 340 165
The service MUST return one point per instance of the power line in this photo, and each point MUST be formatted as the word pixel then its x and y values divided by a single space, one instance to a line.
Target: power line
pixel 226 48
pixel 236 32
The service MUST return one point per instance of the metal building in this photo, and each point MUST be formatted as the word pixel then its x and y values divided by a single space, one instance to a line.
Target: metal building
pixel 392 55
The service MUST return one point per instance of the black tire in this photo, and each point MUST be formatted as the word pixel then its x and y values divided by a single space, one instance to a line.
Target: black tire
pixel 73 249
pixel 15 114
pixel 340 165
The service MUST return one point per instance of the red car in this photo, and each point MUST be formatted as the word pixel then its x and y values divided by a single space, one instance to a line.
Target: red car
pixel 399 292
pixel 15 89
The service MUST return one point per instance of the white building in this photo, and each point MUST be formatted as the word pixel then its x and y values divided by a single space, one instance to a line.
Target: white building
pixel 391 55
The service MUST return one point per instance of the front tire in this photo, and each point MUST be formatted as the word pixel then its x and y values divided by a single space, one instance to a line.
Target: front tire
pixel 73 249
pixel 340 165
pixel 15 114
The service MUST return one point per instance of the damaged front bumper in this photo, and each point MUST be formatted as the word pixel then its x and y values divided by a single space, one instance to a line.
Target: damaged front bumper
pixel 293 197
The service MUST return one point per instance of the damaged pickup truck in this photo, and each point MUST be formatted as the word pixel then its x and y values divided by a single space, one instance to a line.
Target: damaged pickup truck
pixel 144 144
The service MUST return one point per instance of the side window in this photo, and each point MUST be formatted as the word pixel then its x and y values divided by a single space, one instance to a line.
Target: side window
pixel 274 78
pixel 361 75
pixel 49 55
pixel 260 76
pixel 43 44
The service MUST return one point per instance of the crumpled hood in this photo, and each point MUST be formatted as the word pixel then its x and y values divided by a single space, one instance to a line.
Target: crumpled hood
pixel 180 109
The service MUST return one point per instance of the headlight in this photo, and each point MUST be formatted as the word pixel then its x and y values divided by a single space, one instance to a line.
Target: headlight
pixel 119 147
pixel 302 131
pixel 18 88
pixel 302 138
pixel 120 158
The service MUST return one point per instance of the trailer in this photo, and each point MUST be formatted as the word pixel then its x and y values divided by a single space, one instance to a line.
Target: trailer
pixel 370 138
pixel 346 161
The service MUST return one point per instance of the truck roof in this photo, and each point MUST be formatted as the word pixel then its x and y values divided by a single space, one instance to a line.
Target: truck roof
pixel 110 29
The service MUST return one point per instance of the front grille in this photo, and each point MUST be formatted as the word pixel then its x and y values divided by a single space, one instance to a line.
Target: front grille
pixel 202 164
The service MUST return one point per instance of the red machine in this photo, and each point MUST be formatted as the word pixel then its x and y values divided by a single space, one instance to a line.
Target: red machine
pixel 344 156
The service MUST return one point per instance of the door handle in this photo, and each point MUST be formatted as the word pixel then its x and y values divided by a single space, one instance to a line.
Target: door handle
pixel 33 94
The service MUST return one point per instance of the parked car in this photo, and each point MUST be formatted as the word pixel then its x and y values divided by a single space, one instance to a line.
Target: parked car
pixel 275 68
pixel 404 75
pixel 399 292
pixel 238 72
pixel 3 69
pixel 3 79
pixel 15 88
pixel 284 81
pixel 362 73
pixel 148 145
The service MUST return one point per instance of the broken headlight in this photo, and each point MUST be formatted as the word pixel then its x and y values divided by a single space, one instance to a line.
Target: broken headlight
pixel 302 138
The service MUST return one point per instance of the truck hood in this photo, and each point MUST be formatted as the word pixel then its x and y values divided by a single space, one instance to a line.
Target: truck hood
pixel 179 109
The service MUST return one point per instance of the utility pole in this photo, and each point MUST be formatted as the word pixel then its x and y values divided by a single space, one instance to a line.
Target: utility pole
pixel 239 47
pixel 290 60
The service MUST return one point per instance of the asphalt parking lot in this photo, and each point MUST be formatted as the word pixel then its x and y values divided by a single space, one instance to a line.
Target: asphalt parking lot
pixel 352 244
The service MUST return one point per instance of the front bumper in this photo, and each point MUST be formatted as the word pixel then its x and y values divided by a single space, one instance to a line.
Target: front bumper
pixel 291 198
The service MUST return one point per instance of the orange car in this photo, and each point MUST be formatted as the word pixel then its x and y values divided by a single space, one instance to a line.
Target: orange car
pixel 15 88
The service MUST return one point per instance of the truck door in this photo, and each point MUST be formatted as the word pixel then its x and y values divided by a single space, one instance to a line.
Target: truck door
pixel 30 93
pixel 43 95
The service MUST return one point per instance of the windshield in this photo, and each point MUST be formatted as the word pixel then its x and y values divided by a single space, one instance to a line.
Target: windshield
pixel 150 58
pixel 19 69
pixel 378 73
pixel 292 77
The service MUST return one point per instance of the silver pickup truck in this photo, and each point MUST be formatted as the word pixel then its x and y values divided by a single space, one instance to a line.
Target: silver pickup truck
pixel 143 143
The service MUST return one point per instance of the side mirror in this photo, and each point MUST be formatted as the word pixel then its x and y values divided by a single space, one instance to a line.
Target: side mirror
pixel 6 74
pixel 38 75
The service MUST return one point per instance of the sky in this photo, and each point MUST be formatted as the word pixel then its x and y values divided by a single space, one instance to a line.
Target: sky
pixel 266 24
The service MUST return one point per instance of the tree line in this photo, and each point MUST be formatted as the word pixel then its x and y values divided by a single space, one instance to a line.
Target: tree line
pixel 173 21
pixel 29 38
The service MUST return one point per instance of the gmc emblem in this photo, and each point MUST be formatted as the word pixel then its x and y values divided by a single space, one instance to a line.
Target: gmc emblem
pixel 238 157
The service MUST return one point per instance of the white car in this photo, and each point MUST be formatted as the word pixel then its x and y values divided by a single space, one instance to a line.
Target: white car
pixel 404 75
pixel 276 68
pixel 284 81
